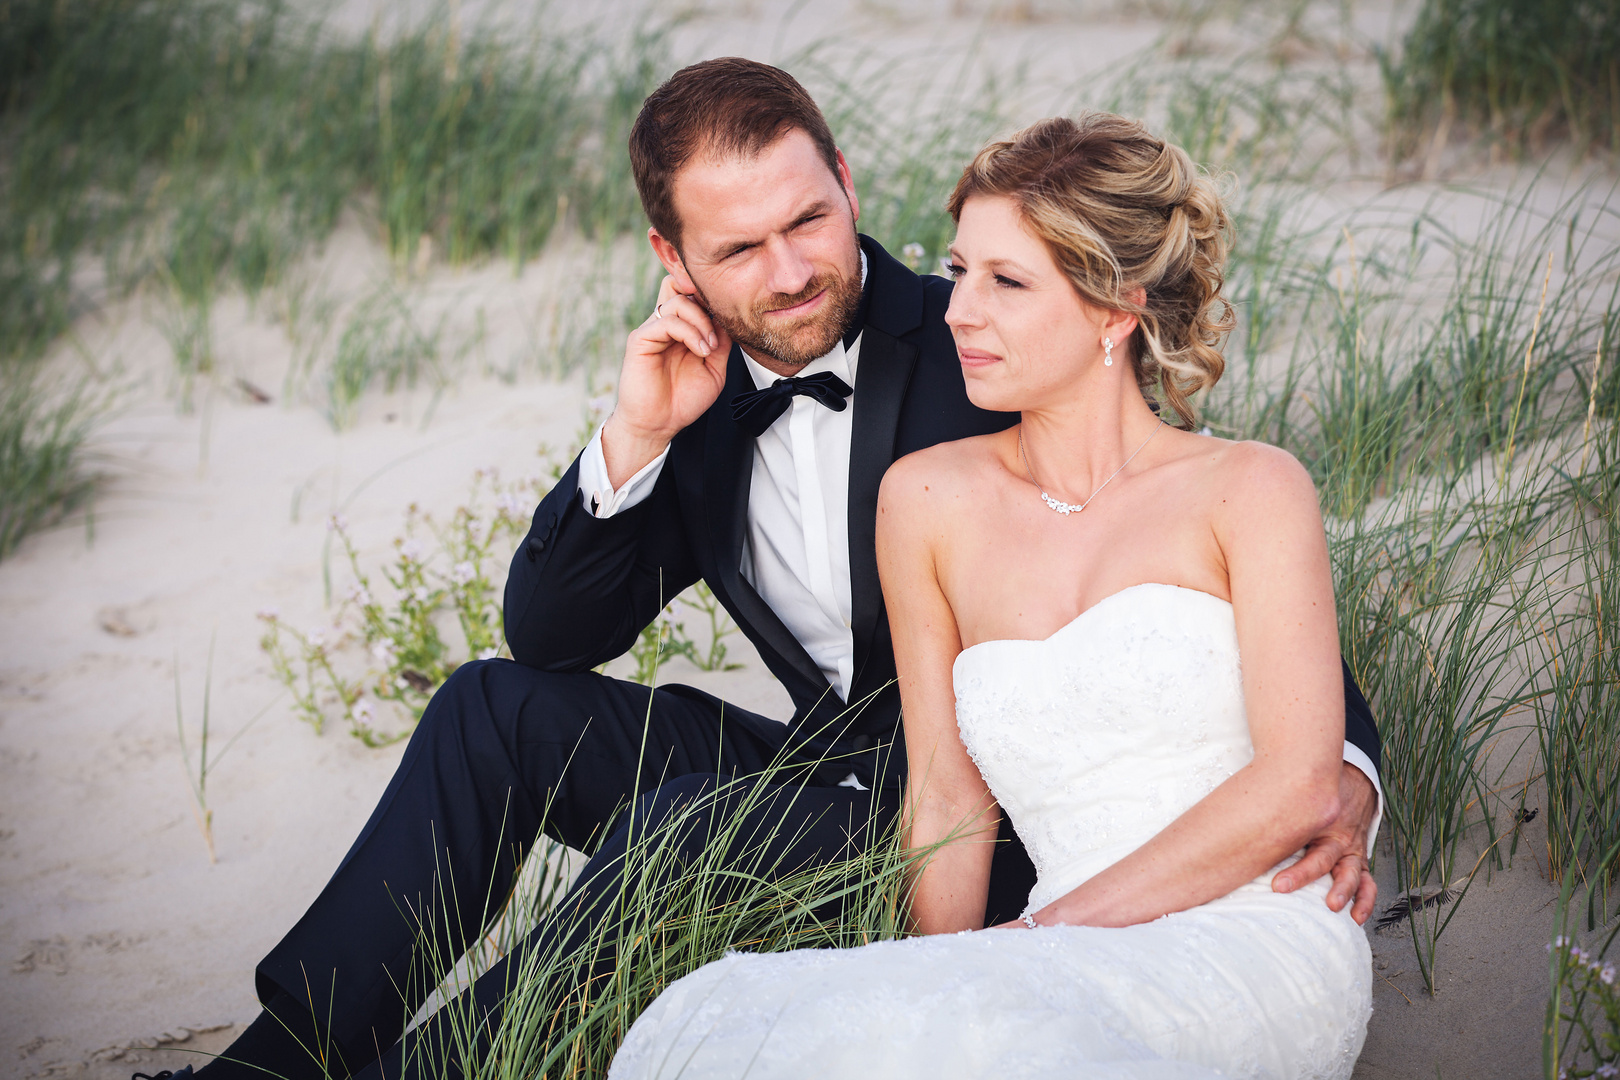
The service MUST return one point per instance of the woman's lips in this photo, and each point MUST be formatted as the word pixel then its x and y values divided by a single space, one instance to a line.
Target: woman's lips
pixel 973 358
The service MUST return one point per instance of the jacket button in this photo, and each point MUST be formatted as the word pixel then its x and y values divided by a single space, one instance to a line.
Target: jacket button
pixel 537 544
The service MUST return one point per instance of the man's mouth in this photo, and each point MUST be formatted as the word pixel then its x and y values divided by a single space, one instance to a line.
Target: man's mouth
pixel 802 308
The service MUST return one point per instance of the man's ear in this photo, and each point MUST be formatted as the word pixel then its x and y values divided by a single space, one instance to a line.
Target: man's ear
pixel 671 258
pixel 848 181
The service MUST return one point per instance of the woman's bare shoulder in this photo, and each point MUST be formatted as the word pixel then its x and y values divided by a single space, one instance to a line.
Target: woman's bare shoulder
pixel 1251 478
pixel 942 471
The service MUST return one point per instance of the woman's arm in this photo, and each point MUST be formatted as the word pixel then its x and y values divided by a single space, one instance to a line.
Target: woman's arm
pixel 1269 531
pixel 947 802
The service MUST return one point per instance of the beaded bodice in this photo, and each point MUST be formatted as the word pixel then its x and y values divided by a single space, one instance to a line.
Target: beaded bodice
pixel 1096 738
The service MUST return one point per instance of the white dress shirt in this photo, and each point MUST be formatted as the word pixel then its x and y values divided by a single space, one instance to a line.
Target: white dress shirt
pixel 796 548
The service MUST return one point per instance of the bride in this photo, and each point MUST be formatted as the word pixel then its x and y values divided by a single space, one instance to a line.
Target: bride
pixel 1117 632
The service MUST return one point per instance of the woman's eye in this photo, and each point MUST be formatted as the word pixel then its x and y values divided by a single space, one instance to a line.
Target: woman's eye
pixel 1008 283
pixel 956 270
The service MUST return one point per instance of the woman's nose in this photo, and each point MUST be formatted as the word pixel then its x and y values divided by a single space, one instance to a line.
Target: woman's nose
pixel 962 312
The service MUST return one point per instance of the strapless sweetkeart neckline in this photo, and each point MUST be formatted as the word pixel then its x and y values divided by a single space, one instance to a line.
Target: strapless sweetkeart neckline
pixel 1144 693
pixel 1092 740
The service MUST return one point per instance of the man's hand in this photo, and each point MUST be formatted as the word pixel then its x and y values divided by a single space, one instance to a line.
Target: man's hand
pixel 674 368
pixel 1341 850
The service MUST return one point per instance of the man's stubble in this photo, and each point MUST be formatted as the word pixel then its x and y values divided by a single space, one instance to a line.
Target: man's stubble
pixel 807 339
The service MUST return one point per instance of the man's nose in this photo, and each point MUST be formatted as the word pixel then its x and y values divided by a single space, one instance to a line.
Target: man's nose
pixel 790 269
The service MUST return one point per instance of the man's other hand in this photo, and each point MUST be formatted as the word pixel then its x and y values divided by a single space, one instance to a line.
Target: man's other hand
pixel 1341 849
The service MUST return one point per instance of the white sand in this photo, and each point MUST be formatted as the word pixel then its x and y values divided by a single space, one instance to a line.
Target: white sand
pixel 120 931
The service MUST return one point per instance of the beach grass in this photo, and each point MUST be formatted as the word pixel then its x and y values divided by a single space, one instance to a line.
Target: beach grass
pixel 1523 73
pixel 46 468
pixel 208 142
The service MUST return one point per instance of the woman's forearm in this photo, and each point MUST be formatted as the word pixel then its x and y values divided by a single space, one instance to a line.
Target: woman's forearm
pixel 952 851
pixel 1247 825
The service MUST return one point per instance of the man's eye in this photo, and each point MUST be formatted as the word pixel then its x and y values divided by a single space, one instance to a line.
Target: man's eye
pixel 811 220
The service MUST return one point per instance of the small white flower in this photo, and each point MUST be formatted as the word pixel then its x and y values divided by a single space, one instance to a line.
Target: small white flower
pixel 489 653
pixel 269 614
pixel 360 595
pixel 401 684
pixel 420 594
pixel 383 650
pixel 1560 941
pixel 508 503
pixel 363 709
pixel 1606 975
pixel 317 640
pixel 462 572
pixel 1578 954
pixel 412 549
pixel 1607 1070
pixel 337 523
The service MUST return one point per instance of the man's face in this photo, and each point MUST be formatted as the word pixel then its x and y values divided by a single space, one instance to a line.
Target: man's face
pixel 768 246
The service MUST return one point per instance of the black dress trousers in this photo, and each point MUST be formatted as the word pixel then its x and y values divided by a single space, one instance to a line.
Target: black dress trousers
pixel 504 752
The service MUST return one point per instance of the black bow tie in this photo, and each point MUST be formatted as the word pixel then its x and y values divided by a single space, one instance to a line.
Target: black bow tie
pixel 756 410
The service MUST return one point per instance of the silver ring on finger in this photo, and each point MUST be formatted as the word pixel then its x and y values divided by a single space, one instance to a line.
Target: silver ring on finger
pixel 658 310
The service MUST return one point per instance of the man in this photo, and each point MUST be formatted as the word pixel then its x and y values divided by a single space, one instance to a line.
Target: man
pixel 714 466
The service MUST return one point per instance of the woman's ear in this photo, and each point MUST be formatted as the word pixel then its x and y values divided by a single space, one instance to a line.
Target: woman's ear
pixel 1120 325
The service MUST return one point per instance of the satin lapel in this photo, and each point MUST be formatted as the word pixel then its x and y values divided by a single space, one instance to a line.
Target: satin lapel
pixel 880 388
pixel 727 471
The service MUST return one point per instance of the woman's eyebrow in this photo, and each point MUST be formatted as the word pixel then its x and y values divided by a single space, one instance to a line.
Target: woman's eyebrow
pixel 993 265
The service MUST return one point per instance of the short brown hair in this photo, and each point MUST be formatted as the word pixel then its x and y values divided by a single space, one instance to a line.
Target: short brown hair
pixel 1119 208
pixel 726 106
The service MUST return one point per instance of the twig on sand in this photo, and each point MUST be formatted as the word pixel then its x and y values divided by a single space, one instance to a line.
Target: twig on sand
pixel 1397 989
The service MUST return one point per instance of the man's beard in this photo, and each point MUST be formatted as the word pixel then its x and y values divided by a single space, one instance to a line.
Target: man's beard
pixel 806 339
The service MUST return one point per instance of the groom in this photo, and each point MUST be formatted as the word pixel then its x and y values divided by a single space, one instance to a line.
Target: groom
pixel 711 467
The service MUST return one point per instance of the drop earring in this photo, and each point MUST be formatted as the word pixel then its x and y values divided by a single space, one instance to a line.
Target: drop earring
pixel 1108 352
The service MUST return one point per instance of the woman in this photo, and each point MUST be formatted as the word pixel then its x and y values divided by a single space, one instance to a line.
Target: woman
pixel 1070 601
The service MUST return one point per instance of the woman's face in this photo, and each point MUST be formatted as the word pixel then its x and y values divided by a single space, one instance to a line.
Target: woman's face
pixel 1024 336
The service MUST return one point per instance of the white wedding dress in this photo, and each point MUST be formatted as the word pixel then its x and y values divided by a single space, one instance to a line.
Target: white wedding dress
pixel 1093 740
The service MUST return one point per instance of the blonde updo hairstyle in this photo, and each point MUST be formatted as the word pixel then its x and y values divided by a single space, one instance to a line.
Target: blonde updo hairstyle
pixel 1120 209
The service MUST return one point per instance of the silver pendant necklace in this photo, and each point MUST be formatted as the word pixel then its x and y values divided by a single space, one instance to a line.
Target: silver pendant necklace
pixel 1069 508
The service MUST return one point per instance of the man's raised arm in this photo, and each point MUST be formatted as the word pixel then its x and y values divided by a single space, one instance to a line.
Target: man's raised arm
pixel 606 549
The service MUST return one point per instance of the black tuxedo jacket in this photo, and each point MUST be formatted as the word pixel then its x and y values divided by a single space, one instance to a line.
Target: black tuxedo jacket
pixel 582 588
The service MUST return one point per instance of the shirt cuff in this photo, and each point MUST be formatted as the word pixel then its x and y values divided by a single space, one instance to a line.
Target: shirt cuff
pixel 1355 755
pixel 596 491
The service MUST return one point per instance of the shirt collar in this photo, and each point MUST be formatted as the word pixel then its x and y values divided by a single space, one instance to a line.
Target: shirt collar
pixel 841 361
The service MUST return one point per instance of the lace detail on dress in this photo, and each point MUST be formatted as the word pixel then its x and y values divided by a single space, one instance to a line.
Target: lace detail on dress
pixel 1083 690
pixel 1093 740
